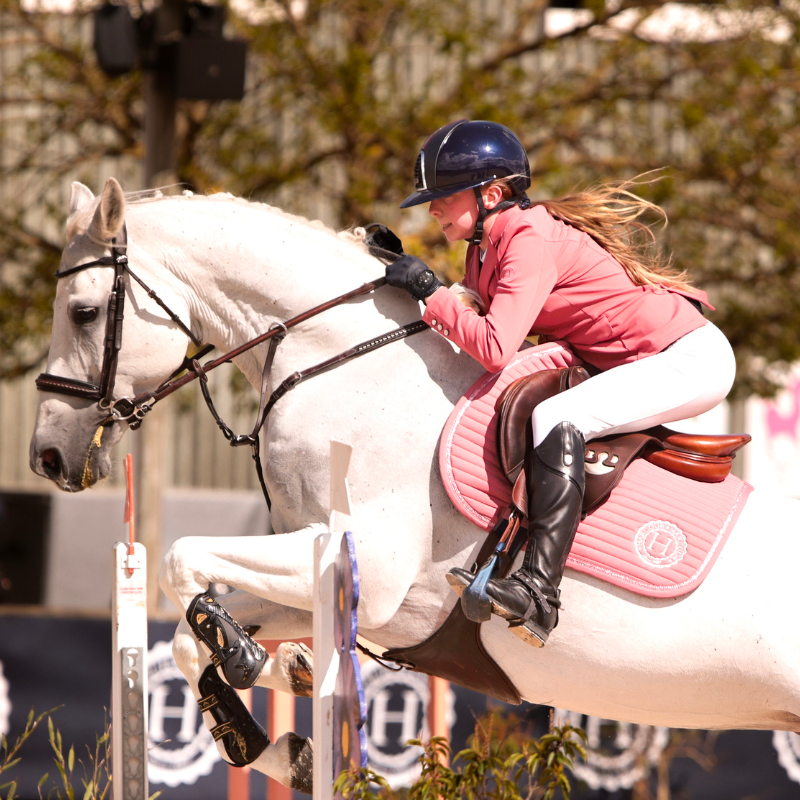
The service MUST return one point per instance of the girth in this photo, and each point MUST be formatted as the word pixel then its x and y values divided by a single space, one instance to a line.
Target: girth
pixel 699 457
pixel 455 651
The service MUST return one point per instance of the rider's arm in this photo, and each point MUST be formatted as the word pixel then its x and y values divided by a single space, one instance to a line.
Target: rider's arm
pixel 526 274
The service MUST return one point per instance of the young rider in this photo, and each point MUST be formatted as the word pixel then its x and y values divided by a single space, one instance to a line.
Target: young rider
pixel 566 270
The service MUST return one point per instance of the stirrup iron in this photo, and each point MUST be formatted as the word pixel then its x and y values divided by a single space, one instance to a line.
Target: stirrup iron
pixel 475 602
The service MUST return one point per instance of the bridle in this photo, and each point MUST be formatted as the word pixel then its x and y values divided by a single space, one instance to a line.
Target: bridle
pixel 123 408
pixel 133 409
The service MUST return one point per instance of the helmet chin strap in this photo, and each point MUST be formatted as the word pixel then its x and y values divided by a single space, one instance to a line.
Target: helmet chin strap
pixel 477 236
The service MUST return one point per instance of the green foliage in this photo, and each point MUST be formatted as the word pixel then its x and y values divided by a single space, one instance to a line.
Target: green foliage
pixel 502 762
pixel 94 781
pixel 10 752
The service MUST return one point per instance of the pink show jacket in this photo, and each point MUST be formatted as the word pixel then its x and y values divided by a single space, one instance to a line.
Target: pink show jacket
pixel 542 276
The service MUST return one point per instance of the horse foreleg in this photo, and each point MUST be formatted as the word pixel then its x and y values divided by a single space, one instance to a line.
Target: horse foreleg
pixel 194 562
pixel 189 567
pixel 278 567
pixel 291 670
pixel 240 740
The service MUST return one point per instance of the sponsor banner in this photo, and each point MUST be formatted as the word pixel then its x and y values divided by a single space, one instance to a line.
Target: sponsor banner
pixel 180 747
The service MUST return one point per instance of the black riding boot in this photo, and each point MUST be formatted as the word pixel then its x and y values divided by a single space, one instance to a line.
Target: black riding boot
pixel 529 598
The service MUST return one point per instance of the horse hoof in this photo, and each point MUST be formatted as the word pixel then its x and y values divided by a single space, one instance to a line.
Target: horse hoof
pixel 301 755
pixel 296 661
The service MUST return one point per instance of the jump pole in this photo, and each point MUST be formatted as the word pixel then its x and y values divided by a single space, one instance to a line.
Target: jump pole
pixel 129 694
pixel 326 657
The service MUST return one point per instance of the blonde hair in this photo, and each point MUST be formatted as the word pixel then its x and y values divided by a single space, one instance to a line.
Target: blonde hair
pixel 610 213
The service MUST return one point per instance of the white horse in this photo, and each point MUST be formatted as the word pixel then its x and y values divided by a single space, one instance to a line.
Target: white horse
pixel 724 656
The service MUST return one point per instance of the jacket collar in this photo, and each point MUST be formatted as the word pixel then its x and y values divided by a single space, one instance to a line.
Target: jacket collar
pixel 500 223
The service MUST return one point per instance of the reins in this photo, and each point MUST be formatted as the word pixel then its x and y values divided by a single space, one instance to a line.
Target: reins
pixel 134 409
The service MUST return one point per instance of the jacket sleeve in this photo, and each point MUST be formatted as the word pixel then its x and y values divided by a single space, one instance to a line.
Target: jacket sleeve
pixel 526 274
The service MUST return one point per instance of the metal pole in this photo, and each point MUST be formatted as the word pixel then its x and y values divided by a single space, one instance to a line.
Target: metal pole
pixel 158 168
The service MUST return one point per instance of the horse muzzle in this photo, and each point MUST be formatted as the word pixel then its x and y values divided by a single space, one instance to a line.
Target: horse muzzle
pixel 51 460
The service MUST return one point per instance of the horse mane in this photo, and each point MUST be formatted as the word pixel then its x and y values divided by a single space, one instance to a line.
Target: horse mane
pixel 354 235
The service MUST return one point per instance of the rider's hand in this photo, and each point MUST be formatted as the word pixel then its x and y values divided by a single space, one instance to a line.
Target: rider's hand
pixel 380 236
pixel 413 275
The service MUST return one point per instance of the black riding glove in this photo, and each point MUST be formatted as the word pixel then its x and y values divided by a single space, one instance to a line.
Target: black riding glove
pixel 413 275
pixel 378 235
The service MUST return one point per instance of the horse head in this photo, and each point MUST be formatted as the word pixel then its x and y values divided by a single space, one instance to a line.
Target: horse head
pixel 76 423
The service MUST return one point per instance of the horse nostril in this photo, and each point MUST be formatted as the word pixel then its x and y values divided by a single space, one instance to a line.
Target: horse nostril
pixel 51 463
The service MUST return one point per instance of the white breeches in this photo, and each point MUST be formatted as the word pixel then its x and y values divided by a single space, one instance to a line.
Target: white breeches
pixel 691 376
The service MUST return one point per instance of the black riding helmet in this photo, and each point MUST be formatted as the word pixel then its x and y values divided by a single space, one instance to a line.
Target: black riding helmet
pixel 467 155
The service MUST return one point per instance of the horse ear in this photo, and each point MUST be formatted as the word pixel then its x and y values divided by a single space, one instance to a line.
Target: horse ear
pixel 110 214
pixel 81 195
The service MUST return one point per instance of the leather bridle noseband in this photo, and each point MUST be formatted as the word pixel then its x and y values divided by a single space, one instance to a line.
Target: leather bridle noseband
pixel 133 409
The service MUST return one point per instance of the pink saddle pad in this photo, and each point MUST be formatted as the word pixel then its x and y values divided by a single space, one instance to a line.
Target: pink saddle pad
pixel 658 534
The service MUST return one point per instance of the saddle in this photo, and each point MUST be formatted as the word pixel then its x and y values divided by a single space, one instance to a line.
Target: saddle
pixel 698 457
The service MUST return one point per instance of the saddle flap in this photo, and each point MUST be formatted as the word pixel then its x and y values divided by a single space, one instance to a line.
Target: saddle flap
pixel 606 459
pixel 515 405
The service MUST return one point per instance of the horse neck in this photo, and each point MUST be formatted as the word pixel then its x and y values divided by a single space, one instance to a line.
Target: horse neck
pixel 242 267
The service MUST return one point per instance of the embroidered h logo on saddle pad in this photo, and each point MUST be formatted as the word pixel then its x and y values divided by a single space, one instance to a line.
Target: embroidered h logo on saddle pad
pixel 657 533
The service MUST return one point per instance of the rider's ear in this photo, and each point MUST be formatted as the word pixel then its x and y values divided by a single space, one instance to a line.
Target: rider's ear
pixel 110 214
pixel 492 195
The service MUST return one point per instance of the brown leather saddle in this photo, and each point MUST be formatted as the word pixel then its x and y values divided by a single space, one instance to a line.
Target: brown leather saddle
pixel 699 457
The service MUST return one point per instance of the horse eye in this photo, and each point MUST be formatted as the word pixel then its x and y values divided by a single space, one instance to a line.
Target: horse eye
pixel 83 316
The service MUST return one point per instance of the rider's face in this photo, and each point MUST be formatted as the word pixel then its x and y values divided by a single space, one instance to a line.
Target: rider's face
pixel 457 214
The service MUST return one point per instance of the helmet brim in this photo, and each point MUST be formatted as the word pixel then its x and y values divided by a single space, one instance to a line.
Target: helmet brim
pixel 426 195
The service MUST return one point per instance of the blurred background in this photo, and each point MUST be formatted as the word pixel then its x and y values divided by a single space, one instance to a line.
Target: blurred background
pixel 320 107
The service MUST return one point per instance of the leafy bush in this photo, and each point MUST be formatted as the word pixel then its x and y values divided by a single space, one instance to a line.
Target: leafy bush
pixel 95 780
pixel 502 762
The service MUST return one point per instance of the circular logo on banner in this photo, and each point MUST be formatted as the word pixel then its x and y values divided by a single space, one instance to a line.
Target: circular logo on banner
pixel 660 544
pixel 618 754
pixel 788 746
pixel 181 748
pixel 397 704
pixel 5 703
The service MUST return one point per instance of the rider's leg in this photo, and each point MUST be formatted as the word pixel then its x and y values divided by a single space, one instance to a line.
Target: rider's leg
pixel 688 378
pixel 691 376
pixel 530 597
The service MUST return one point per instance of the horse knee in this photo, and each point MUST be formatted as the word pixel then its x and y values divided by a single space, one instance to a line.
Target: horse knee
pixel 176 577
